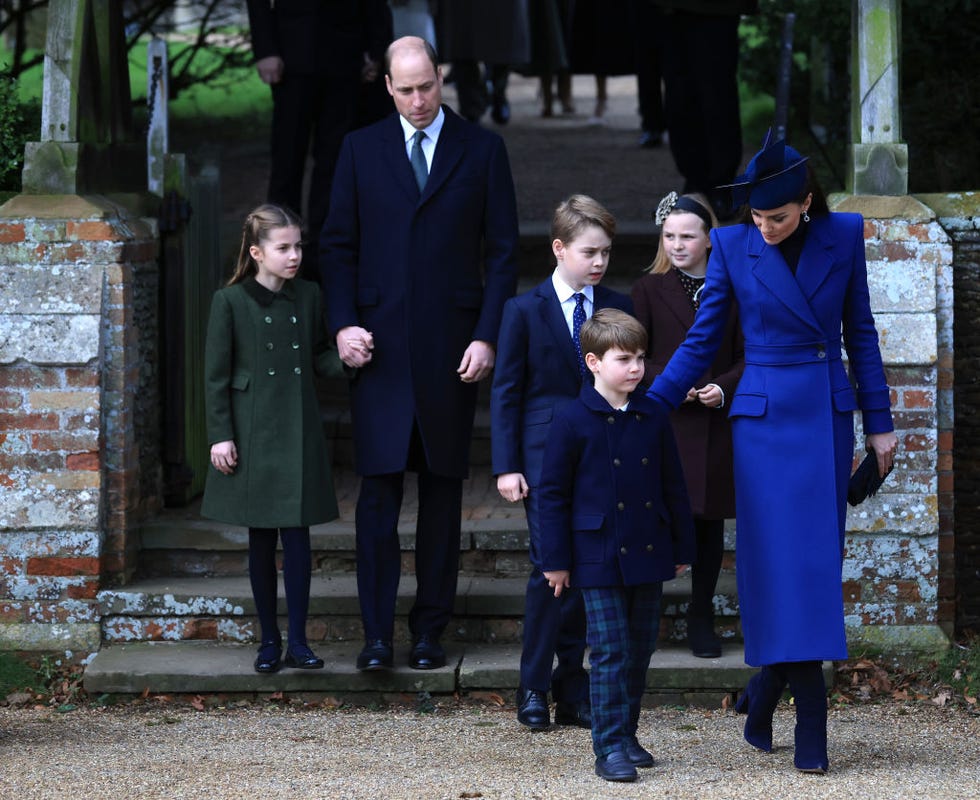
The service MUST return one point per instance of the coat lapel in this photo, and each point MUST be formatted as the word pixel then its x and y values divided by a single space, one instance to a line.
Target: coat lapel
pixel 554 318
pixel 816 260
pixel 771 270
pixel 397 156
pixel 449 151
pixel 676 299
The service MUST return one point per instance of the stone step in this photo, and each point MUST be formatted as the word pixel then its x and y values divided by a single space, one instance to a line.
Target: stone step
pixel 487 609
pixel 675 676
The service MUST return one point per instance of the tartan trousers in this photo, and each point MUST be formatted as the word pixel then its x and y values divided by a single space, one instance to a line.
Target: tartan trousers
pixel 623 624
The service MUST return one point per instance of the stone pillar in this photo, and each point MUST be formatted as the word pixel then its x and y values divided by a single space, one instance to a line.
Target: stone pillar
pixel 79 425
pixel 878 158
pixel 893 568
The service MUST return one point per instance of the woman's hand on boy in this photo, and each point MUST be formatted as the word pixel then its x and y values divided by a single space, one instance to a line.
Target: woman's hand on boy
pixel 711 395
pixel 224 456
pixel 512 486
pixel 558 580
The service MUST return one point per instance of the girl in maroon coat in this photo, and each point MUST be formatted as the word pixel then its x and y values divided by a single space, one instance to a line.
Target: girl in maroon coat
pixel 665 300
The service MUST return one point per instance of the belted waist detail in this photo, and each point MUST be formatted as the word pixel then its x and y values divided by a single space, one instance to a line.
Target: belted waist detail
pixel 786 354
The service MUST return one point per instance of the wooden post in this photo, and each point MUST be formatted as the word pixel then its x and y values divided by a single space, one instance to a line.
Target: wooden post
pixel 879 159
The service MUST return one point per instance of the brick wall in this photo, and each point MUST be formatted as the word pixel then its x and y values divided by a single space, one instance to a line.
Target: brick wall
pixel 79 440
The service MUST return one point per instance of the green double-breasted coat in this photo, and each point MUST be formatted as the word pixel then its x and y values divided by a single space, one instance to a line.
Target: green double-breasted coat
pixel 262 351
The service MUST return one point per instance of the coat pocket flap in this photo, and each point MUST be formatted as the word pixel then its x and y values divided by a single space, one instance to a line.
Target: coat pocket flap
pixel 239 381
pixel 587 522
pixel 748 405
pixel 844 399
pixel 367 296
pixel 538 416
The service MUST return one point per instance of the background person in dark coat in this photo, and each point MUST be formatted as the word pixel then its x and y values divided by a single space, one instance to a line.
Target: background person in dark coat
pixel 425 272
pixel 666 301
pixel 314 54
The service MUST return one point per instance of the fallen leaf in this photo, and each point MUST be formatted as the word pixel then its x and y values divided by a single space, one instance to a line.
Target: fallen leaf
pixel 197 702
pixel 941 699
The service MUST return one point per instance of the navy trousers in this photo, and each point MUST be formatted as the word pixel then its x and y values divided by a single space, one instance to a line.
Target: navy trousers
pixel 552 626
pixel 623 625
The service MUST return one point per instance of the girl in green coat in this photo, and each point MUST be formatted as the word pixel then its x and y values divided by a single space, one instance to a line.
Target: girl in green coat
pixel 271 472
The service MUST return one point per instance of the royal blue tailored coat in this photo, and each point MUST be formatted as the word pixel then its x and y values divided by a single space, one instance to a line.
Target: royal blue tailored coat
pixel 537 369
pixel 792 422
pixel 427 273
pixel 613 507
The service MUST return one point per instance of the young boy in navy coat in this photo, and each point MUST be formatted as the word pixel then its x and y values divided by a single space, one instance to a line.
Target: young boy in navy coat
pixel 539 367
pixel 615 522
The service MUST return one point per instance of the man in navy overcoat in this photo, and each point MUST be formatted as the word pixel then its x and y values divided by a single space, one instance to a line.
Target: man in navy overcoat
pixel 418 256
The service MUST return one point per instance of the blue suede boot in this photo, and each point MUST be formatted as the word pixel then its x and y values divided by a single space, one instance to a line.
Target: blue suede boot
pixel 759 700
pixel 810 696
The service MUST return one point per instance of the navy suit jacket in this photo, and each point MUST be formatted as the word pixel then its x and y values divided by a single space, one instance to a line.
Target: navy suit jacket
pixel 536 370
pixel 427 273
pixel 613 505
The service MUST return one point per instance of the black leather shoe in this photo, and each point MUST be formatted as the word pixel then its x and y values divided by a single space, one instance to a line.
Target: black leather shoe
pixel 638 755
pixel 615 767
pixel 578 714
pixel 299 656
pixel 650 139
pixel 427 653
pixel 500 111
pixel 269 658
pixel 701 637
pixel 376 654
pixel 532 709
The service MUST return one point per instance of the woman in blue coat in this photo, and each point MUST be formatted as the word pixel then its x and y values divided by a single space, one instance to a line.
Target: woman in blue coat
pixel 798 275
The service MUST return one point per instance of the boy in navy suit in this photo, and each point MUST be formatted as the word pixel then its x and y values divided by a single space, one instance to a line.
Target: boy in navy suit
pixel 539 366
pixel 615 522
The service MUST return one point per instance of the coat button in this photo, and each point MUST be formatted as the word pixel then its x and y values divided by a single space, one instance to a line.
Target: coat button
pixel 649 548
pixel 616 462
pixel 622 550
pixel 268 345
pixel 620 505
pixel 293 320
pixel 268 320
pixel 611 420
pixel 648 504
pixel 644 461
pixel 295 345
pixel 821 353
pixel 272 371
pixel 297 370
pixel 639 417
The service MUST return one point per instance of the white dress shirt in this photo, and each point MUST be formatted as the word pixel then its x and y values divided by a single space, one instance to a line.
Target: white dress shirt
pixel 430 140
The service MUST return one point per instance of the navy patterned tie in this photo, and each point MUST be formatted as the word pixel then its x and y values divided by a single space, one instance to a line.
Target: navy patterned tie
pixel 419 167
pixel 578 320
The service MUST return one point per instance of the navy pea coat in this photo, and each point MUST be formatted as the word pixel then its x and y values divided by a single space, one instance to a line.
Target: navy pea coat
pixel 262 351
pixel 792 422
pixel 614 510
pixel 537 369
pixel 427 273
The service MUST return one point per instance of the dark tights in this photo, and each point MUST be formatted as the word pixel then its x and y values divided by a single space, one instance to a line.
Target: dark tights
pixel 296 565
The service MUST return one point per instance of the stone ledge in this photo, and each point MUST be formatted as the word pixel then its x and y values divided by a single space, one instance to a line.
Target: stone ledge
pixel 872 206
pixel 897 639
pixel 40 637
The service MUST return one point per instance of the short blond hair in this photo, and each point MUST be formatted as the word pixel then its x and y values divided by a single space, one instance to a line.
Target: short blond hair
pixel 610 327
pixel 578 212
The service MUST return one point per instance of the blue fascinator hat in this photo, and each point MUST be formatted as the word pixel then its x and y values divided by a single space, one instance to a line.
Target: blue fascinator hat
pixel 775 176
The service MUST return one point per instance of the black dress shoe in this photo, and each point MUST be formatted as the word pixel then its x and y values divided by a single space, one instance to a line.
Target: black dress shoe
pixel 578 714
pixel 269 658
pixel 427 653
pixel 532 709
pixel 638 755
pixel 701 637
pixel 615 767
pixel 299 656
pixel 651 139
pixel 376 654
pixel 500 111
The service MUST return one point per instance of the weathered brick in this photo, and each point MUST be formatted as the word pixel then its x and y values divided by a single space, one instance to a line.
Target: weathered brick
pixel 852 591
pixel 81 378
pixel 65 480
pixel 88 590
pixel 918 398
pixel 74 441
pixel 917 441
pixel 29 377
pixel 93 230
pixel 62 567
pixel 82 461
pixel 28 421
pixel 57 401
pixel 31 462
pixel 10 401
pixel 11 232
pixel 200 629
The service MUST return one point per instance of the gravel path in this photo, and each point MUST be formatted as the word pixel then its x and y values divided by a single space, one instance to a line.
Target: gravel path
pixel 471 751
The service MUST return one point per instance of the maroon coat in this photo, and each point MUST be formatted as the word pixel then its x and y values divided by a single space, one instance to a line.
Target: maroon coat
pixel 704 436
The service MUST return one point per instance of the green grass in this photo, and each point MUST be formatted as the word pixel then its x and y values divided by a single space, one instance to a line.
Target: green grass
pixel 15 675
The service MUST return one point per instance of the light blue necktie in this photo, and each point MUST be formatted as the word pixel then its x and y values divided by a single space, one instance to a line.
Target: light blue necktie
pixel 578 320
pixel 419 167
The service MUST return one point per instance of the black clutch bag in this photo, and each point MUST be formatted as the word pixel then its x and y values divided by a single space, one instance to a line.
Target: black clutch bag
pixel 865 482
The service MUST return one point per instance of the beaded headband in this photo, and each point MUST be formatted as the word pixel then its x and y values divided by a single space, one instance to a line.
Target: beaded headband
pixel 672 202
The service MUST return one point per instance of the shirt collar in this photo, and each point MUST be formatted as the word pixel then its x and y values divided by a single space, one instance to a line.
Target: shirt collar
pixel 433 131
pixel 564 291
pixel 265 297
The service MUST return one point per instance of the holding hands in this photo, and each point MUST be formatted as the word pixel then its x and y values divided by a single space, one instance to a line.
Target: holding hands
pixel 709 395
pixel 355 345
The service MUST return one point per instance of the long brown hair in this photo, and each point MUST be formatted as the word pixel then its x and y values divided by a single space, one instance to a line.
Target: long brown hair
pixel 258 225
